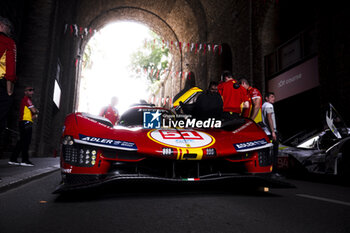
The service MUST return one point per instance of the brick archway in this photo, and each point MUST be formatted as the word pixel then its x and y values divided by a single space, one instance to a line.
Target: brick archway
pixel 176 26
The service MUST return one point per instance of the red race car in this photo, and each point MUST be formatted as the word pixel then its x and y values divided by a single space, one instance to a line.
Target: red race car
pixel 152 143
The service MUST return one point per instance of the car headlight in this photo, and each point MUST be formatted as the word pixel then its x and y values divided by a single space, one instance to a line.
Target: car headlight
pixel 68 140
pixel 87 156
pixel 78 155
pixel 210 152
pixel 167 152
pixel 265 157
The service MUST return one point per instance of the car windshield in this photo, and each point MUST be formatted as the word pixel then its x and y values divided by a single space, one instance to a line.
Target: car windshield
pixel 141 116
pixel 321 139
pixel 301 137
pixel 135 116
pixel 317 140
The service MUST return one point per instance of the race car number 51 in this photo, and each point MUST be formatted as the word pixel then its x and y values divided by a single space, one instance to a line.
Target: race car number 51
pixel 181 138
pixel 166 134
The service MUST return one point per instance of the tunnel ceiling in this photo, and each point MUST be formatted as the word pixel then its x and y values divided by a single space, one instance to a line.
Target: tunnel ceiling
pixel 172 20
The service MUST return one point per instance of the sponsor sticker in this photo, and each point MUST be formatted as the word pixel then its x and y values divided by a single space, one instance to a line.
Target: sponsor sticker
pixel 250 145
pixel 181 138
pixel 108 142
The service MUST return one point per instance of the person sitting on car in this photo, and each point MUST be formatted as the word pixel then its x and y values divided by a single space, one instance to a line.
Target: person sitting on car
pixel 185 99
pixel 209 103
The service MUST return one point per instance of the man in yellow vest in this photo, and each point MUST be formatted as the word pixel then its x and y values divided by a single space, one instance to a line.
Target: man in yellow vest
pixel 7 70
pixel 28 113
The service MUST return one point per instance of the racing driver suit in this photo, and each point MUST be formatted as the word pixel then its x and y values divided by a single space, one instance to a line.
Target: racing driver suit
pixel 7 76
pixel 234 96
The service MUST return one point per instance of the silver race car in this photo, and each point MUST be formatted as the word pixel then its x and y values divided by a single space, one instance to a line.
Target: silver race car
pixel 326 151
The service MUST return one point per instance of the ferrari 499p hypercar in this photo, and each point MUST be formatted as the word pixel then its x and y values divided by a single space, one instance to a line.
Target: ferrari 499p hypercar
pixel 151 143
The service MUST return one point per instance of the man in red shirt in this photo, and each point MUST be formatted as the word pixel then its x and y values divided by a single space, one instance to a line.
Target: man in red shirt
pixel 234 96
pixel 255 101
pixel 7 69
pixel 27 114
pixel 110 112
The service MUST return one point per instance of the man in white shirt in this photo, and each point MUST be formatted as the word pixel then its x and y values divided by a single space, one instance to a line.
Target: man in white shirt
pixel 268 116
pixel 269 122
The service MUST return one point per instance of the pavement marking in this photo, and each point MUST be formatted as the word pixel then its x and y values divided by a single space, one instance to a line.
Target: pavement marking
pixel 324 199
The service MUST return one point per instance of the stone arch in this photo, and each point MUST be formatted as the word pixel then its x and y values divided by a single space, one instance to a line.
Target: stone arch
pixel 177 21
pixel 151 20
pixel 161 27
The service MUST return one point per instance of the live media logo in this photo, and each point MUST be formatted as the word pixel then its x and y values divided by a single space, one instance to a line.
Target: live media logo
pixel 151 120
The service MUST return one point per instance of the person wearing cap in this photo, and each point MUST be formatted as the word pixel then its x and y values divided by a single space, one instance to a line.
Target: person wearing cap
pixel 7 69
pixel 28 113
pixel 234 96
